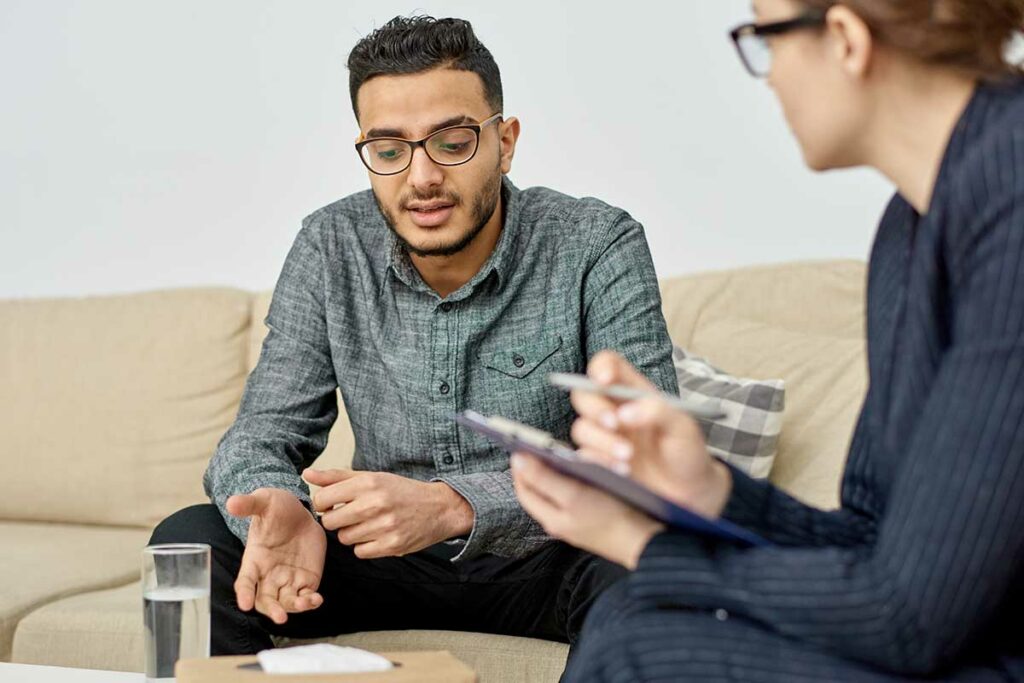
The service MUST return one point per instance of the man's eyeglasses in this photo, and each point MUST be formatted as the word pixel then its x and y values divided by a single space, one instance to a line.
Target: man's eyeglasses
pixel 751 40
pixel 446 147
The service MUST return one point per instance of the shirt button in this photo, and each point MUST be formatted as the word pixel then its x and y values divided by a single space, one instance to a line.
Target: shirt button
pixel 518 360
pixel 448 460
pixel 444 388
pixel 446 306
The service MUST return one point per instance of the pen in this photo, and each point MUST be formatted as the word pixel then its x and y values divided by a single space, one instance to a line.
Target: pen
pixel 705 410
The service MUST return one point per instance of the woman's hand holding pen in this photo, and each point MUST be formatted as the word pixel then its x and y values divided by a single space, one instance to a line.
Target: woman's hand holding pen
pixel 648 440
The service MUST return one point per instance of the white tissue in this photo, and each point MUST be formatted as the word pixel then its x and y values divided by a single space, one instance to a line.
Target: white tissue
pixel 321 658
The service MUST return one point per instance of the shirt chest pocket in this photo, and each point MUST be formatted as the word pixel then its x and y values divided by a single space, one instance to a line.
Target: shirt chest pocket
pixel 520 359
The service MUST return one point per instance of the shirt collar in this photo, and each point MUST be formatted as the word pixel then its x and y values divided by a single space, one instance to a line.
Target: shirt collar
pixel 398 262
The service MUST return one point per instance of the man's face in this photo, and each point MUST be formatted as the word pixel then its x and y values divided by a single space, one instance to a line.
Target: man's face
pixel 435 210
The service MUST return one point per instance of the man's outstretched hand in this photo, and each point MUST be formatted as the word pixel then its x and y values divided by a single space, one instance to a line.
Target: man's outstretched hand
pixel 284 554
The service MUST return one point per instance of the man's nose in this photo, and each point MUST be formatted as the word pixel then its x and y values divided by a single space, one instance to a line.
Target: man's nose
pixel 423 172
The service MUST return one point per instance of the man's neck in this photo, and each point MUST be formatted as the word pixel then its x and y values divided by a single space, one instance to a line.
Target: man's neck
pixel 446 274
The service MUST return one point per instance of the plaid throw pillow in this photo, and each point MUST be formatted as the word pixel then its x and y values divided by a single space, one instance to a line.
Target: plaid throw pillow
pixel 748 437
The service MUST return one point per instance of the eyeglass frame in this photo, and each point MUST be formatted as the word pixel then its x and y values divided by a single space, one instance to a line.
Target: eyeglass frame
pixel 807 20
pixel 476 127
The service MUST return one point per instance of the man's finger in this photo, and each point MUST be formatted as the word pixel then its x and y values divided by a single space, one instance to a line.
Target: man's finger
pixel 360 533
pixel 349 514
pixel 247 505
pixel 372 551
pixel 327 477
pixel 308 599
pixel 267 601
pixel 245 587
pixel 287 595
pixel 337 493
pixel 270 607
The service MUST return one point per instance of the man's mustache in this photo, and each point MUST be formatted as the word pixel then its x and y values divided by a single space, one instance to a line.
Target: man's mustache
pixel 446 197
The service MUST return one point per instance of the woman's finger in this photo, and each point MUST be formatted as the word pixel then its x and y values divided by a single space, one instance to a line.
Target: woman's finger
pixel 608 367
pixel 654 414
pixel 536 503
pixel 557 488
pixel 595 407
pixel 594 438
pixel 622 467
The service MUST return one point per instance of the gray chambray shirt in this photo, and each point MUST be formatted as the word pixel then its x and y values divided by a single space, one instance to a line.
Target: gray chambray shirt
pixel 567 278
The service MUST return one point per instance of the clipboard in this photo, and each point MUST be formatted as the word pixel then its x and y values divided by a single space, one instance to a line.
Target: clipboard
pixel 513 436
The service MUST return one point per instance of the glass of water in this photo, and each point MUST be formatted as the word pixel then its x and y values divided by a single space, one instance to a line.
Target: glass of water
pixel 176 603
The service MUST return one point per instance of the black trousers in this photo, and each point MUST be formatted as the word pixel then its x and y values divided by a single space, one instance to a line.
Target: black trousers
pixel 546 595
pixel 626 641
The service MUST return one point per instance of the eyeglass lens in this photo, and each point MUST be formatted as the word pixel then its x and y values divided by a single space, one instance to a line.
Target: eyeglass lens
pixel 447 147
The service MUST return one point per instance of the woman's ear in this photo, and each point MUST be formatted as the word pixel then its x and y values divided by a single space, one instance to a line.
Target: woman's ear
pixel 509 131
pixel 850 41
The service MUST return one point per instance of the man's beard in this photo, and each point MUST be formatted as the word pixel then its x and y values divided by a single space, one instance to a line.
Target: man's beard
pixel 484 207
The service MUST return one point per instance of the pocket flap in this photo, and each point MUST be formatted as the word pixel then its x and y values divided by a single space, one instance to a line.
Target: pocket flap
pixel 522 358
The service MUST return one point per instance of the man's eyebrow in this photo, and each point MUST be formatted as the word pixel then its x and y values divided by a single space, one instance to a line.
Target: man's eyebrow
pixel 399 133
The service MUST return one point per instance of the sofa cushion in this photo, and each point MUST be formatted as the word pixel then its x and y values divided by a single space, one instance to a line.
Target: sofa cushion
pixel 114 405
pixel 103 630
pixel 44 562
pixel 803 323
pixel 97 630
pixel 748 436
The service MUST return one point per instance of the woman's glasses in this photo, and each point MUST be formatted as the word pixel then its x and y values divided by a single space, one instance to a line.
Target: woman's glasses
pixel 751 40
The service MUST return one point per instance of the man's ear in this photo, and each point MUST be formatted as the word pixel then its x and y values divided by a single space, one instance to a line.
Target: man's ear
pixel 509 132
pixel 850 41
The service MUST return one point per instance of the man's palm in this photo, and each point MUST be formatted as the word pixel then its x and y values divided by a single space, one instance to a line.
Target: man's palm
pixel 284 554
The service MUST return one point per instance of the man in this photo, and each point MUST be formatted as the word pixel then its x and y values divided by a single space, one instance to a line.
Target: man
pixel 444 288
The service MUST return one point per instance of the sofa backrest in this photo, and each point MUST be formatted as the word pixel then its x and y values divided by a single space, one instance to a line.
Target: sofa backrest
pixel 111 406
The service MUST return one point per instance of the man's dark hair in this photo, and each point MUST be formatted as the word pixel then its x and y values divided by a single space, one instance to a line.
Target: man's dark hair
pixel 411 45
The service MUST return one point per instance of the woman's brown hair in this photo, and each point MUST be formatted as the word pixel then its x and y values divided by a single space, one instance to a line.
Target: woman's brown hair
pixel 970 35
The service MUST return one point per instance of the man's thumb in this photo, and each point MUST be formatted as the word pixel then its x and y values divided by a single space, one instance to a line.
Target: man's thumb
pixel 246 505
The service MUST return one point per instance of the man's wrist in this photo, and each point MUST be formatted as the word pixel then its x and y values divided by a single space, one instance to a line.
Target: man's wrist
pixel 458 515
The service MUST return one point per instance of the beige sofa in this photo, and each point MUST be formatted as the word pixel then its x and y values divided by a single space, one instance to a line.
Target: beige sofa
pixel 111 406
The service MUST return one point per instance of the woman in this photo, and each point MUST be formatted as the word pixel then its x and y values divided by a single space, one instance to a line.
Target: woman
pixel 918 575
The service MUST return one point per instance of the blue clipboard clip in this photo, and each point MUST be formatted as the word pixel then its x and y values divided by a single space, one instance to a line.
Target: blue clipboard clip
pixel 513 436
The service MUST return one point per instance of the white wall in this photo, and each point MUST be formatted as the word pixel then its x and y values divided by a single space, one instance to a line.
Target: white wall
pixel 154 144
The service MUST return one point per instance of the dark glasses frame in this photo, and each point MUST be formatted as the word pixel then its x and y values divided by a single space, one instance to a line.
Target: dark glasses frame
pixel 477 128
pixel 808 20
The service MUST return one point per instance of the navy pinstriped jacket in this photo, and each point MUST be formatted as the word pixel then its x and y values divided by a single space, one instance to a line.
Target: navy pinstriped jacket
pixel 921 568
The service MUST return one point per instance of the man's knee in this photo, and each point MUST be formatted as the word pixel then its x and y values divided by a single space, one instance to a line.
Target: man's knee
pixel 196 524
